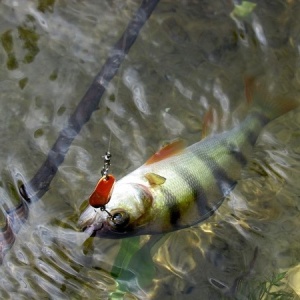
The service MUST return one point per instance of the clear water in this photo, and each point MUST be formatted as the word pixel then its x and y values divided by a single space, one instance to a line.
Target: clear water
pixel 190 57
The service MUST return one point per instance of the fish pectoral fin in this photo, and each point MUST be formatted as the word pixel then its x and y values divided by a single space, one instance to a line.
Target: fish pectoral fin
pixel 168 150
pixel 155 179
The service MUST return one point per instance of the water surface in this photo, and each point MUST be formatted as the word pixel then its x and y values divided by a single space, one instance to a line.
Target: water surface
pixel 190 57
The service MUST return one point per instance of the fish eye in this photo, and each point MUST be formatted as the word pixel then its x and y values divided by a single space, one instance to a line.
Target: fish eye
pixel 119 218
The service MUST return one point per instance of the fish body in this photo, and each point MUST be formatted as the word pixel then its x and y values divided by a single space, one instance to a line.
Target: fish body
pixel 179 187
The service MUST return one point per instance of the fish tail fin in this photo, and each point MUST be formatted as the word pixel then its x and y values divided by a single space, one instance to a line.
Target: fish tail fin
pixel 266 102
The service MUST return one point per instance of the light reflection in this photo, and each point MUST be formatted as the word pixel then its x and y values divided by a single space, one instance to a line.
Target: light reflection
pixel 136 86
pixel 186 92
pixel 258 29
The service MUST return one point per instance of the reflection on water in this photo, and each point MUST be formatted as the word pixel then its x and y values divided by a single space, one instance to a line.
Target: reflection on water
pixel 191 56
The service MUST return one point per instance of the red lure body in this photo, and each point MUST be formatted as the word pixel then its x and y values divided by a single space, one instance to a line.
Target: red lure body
pixel 102 193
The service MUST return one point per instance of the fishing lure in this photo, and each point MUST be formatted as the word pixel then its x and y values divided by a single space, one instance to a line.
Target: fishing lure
pixel 103 190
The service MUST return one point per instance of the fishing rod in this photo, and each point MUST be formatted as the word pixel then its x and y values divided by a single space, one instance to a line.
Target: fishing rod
pixel 39 184
pixel 34 189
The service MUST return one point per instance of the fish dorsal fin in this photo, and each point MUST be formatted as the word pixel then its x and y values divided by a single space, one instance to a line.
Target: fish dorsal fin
pixel 208 120
pixel 168 150
pixel 155 179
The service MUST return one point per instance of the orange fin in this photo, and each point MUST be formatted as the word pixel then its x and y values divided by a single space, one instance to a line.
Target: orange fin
pixel 168 150
pixel 155 179
pixel 270 103
pixel 103 190
pixel 207 123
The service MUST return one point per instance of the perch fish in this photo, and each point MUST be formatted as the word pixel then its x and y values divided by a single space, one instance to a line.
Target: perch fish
pixel 181 186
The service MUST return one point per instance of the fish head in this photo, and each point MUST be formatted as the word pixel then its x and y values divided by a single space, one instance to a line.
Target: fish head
pixel 126 214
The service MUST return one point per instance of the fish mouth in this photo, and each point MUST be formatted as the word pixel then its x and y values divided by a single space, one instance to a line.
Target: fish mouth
pixel 92 229
pixel 104 230
pixel 95 223
pixel 90 219
pixel 101 230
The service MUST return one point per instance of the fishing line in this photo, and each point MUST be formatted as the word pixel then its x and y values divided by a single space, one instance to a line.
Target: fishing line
pixel 107 155
pixel 103 190
pixel 117 91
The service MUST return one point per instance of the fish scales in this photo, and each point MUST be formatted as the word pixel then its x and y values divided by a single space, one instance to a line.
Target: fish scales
pixel 189 187
pixel 209 156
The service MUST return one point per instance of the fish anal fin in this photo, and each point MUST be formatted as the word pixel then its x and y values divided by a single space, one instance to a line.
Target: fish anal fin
pixel 168 150
pixel 155 179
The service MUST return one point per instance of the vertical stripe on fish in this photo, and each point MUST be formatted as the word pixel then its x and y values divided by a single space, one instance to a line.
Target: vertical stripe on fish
pixel 197 191
pixel 222 179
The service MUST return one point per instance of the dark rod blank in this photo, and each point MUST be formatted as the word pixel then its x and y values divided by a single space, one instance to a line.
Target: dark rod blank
pixel 39 184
